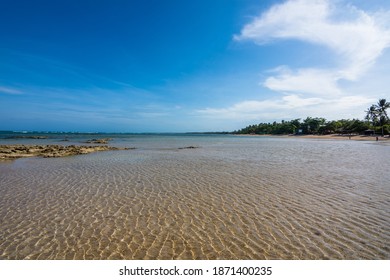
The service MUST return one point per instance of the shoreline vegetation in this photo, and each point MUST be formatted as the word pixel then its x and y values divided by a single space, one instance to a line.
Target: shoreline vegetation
pixel 317 127
pixel 354 137
pixel 376 123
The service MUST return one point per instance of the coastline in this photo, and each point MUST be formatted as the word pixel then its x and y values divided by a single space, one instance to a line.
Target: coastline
pixel 324 137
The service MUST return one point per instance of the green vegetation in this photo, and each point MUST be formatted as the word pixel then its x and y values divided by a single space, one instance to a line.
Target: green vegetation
pixel 376 121
pixel 377 115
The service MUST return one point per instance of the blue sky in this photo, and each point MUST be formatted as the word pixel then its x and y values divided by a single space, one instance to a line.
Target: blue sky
pixel 178 66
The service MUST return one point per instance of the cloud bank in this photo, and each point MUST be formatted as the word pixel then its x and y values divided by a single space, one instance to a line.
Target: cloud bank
pixel 354 38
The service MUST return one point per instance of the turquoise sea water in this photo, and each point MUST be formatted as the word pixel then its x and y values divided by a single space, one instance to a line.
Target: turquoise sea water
pixel 233 197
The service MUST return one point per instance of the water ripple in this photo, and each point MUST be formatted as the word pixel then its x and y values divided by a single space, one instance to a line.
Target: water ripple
pixel 217 202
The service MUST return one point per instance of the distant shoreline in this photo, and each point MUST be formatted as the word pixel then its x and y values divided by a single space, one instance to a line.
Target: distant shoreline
pixel 324 137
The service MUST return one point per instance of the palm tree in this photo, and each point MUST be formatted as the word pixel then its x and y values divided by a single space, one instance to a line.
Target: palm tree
pixel 382 106
pixel 372 114
pixel 377 113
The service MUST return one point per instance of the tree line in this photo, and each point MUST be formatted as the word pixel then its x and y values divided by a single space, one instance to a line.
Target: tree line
pixel 376 121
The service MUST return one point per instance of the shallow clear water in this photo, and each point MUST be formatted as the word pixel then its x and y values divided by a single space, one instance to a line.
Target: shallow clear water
pixel 232 198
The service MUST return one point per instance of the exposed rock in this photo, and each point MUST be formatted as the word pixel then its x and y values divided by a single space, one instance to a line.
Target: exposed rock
pixel 99 141
pixel 27 137
pixel 21 151
pixel 189 147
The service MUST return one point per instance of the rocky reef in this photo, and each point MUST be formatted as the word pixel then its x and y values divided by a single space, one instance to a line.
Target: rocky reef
pixel 21 151
pixel 99 141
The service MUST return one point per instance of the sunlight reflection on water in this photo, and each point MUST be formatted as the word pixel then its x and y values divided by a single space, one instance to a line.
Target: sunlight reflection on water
pixel 231 198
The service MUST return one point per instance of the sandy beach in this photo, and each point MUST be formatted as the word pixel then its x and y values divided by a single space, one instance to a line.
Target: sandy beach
pixel 326 137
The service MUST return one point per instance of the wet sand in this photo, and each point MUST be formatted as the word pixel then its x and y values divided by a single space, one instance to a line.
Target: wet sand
pixel 345 137
pixel 241 198
pixel 326 137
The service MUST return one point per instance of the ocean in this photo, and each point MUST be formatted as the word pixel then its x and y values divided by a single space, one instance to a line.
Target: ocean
pixel 226 197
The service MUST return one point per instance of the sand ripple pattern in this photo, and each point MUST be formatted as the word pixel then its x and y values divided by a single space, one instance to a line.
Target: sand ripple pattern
pixel 241 199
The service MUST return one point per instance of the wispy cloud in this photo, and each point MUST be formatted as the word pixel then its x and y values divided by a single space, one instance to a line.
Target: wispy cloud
pixel 289 106
pixel 120 109
pixel 308 81
pixel 8 90
pixel 354 39
pixel 355 36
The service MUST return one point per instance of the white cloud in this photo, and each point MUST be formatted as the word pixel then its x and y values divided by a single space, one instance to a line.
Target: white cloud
pixel 266 108
pixel 290 106
pixel 355 37
pixel 309 81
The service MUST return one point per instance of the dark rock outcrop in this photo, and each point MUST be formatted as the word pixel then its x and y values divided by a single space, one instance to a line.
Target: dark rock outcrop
pixel 20 151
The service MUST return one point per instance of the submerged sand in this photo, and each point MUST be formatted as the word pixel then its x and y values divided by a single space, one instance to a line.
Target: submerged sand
pixel 233 198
